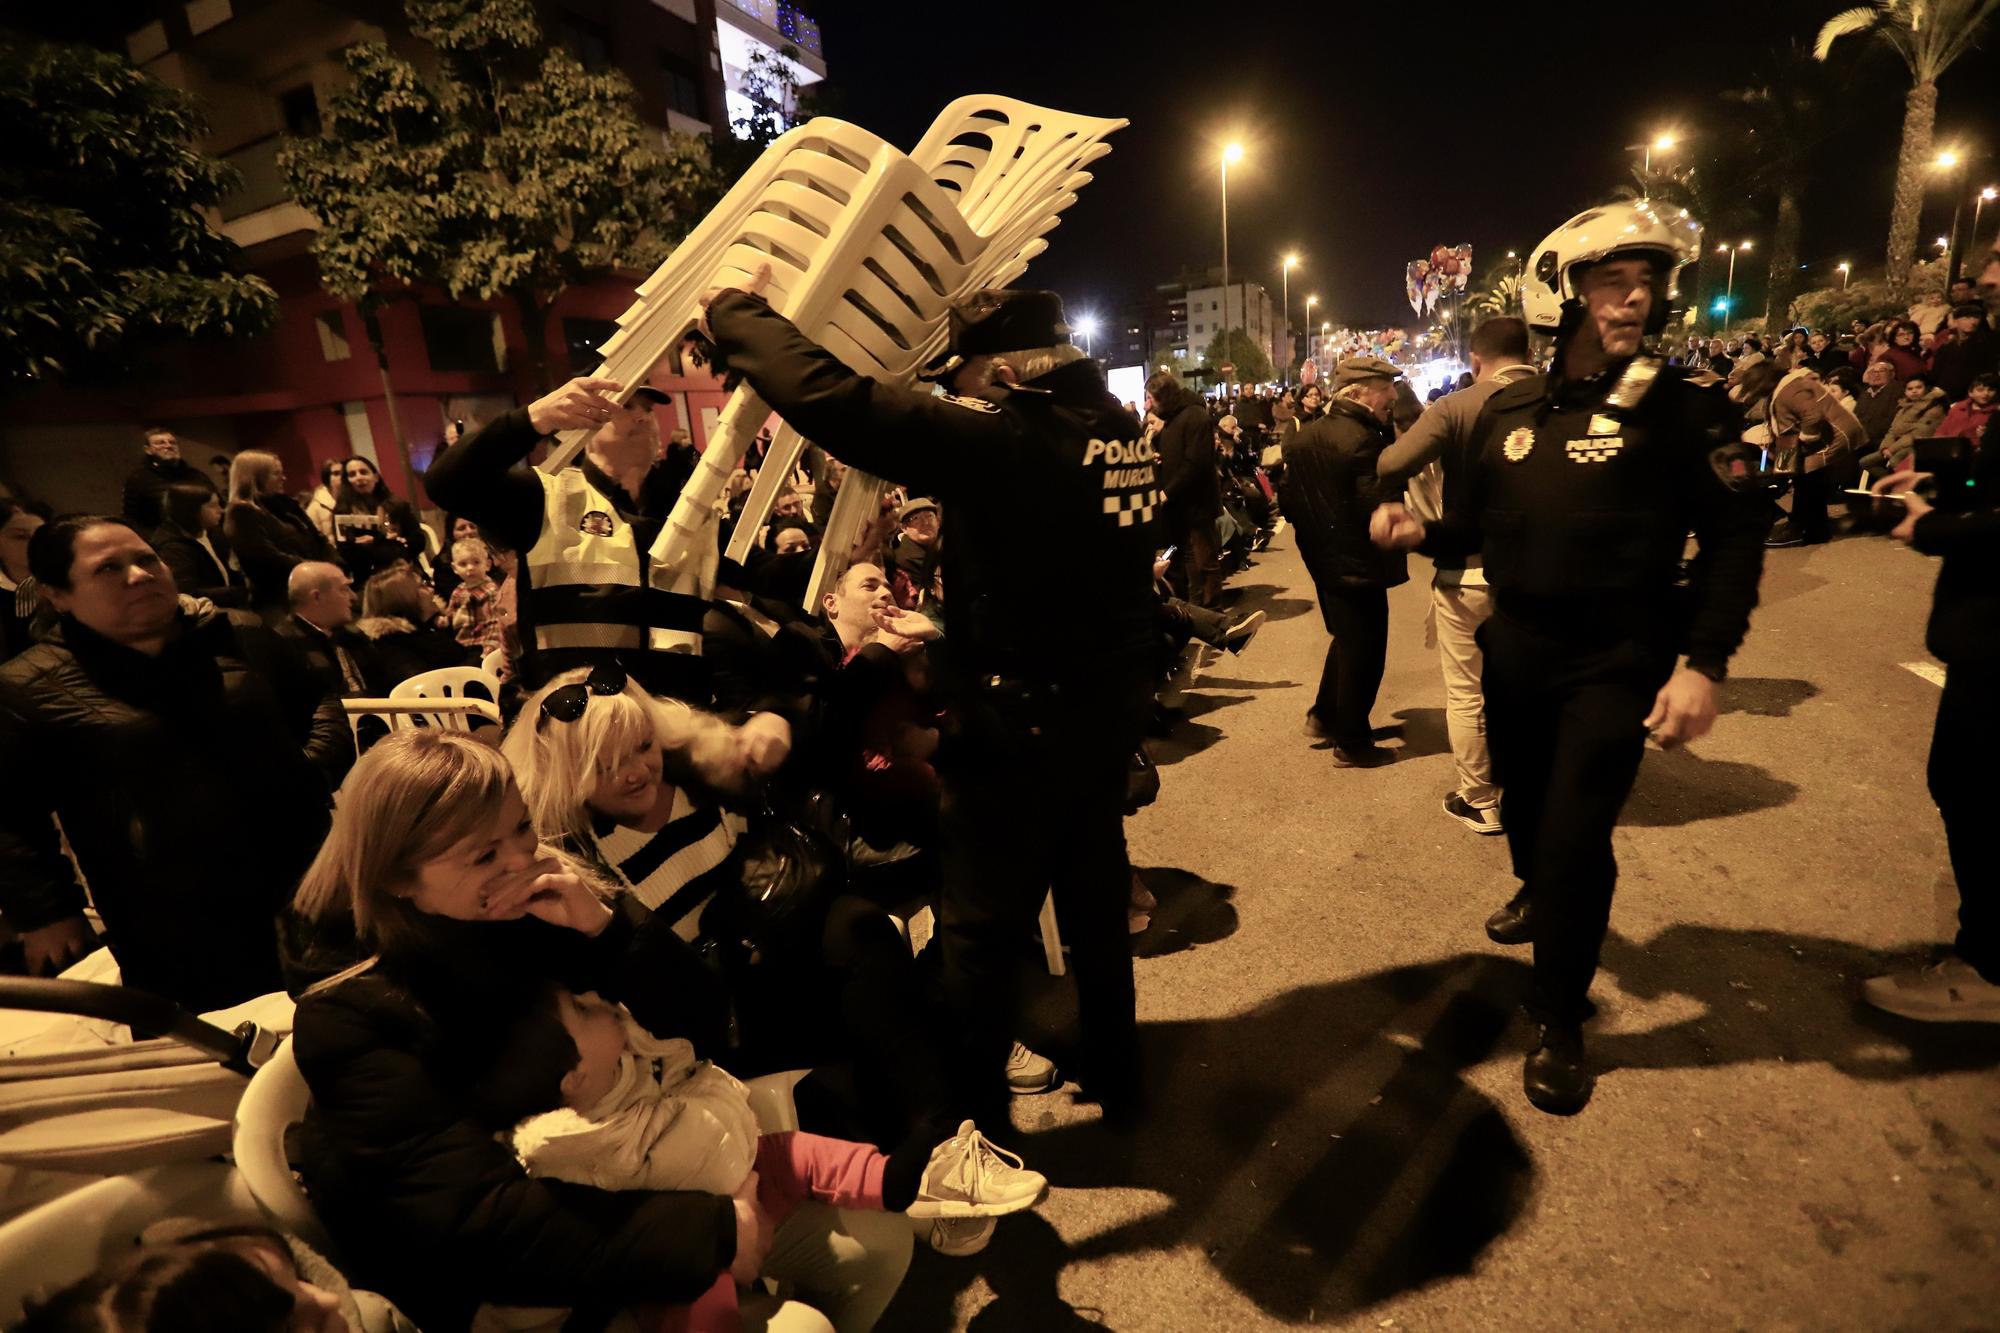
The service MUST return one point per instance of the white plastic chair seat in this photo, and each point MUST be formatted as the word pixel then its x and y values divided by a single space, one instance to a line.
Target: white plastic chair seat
pixel 458 682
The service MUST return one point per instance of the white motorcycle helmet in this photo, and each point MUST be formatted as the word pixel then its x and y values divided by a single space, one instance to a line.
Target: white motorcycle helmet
pixel 1643 226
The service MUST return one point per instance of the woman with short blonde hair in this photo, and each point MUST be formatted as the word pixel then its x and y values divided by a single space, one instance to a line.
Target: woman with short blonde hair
pixel 268 529
pixel 465 918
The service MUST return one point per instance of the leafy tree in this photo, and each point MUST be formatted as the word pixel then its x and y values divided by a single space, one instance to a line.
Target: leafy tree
pixel 1930 36
pixel 103 245
pixel 777 103
pixel 512 171
pixel 1234 346
pixel 1787 114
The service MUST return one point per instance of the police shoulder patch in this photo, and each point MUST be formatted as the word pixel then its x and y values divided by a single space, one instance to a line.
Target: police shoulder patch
pixel 975 404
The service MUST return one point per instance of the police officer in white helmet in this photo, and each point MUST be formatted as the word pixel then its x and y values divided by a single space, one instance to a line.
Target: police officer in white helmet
pixel 1579 492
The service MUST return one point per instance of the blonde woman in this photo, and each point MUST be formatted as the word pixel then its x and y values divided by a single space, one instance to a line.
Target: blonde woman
pixel 461 916
pixel 631 784
pixel 268 529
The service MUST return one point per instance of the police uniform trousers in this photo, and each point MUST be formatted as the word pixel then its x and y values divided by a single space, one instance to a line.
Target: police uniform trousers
pixel 1568 688
pixel 1962 748
pixel 1034 799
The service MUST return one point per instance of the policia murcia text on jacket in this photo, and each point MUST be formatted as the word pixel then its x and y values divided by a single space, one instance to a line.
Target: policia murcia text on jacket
pixel 1049 713
pixel 1582 487
pixel 585 534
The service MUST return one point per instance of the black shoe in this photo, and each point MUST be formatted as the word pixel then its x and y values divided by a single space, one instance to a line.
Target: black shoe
pixel 1365 754
pixel 1784 534
pixel 1512 924
pixel 1555 1077
pixel 1485 821
pixel 1237 637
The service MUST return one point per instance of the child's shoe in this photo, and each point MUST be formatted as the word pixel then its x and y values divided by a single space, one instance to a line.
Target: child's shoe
pixel 969 1177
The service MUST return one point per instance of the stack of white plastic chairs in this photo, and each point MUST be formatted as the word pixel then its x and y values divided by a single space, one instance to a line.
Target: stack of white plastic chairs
pixel 868 247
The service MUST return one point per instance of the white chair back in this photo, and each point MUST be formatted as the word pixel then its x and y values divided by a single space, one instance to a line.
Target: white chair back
pixel 275 1101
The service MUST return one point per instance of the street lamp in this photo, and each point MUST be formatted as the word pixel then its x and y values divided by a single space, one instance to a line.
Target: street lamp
pixel 1087 326
pixel 1326 334
pixel 1986 197
pixel 1231 153
pixel 1729 293
pixel 1845 269
pixel 1659 143
pixel 1951 160
pixel 1285 295
pixel 1310 302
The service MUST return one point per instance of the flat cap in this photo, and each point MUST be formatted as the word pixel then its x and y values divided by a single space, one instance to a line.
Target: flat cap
pixel 920 505
pixel 1007 321
pixel 1355 369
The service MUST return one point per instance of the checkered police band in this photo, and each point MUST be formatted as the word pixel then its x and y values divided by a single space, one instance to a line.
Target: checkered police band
pixel 1595 450
pixel 1133 506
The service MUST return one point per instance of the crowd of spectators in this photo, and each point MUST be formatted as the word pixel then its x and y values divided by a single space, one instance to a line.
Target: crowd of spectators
pixel 735 869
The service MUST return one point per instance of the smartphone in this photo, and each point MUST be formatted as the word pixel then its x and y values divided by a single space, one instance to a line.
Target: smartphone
pixel 1866 494
pixel 1167 554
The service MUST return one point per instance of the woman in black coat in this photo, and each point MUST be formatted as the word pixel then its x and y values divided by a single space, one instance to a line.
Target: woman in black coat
pixel 268 528
pixel 433 866
pixel 399 618
pixel 191 542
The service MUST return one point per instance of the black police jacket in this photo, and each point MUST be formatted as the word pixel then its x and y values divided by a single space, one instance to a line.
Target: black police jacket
pixel 1579 496
pixel 1053 499
pixel 1965 611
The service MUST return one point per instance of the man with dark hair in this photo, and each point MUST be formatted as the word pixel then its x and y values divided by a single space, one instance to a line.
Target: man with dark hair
pixel 161 467
pixel 190 757
pixel 1967 350
pixel 1185 444
pixel 1432 456
pixel 1330 488
pixel 1034 783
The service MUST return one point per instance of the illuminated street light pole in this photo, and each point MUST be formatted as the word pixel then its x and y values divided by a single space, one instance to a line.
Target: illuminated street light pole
pixel 1845 268
pixel 1729 291
pixel 1986 197
pixel 1087 326
pixel 1310 302
pixel 1285 295
pixel 1659 143
pixel 1233 153
pixel 1954 163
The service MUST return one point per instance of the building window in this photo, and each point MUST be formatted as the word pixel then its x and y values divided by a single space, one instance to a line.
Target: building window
pixel 332 336
pixel 682 87
pixel 588 42
pixel 461 341
pixel 299 109
pixel 586 339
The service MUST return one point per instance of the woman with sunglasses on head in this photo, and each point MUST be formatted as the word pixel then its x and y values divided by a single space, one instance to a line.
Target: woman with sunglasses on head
pixel 460 918
pixel 637 787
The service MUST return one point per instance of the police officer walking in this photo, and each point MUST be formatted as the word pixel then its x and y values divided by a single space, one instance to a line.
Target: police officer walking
pixel 1582 487
pixel 1053 500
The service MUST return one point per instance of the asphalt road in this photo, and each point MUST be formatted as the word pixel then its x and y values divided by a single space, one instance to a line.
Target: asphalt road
pixel 1340 1137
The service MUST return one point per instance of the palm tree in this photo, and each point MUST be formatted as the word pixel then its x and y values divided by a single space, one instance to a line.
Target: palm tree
pixel 1929 35
pixel 1786 116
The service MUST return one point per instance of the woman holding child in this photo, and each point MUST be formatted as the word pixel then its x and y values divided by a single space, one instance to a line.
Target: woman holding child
pixel 469 923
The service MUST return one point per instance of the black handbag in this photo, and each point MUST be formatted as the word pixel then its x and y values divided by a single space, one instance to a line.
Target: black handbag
pixel 788 873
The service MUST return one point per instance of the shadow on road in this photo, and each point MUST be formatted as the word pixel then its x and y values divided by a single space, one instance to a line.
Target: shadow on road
pixel 1192 911
pixel 1675 787
pixel 1325 1151
pixel 1765 696
pixel 1423 732
pixel 1259 597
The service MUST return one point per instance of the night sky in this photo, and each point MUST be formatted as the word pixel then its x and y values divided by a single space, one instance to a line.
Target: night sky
pixel 1374 132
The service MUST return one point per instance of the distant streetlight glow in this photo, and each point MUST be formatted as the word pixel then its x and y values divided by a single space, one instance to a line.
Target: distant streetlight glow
pixel 1845 270
pixel 1285 295
pixel 1947 159
pixel 1087 326
pixel 1729 293
pixel 1230 153
pixel 1233 153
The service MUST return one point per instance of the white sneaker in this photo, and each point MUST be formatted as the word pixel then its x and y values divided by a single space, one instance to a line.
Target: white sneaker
pixel 961 1236
pixel 1948 991
pixel 969 1177
pixel 1029 1073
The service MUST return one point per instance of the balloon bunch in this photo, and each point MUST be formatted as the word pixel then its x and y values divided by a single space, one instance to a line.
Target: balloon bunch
pixel 1426 282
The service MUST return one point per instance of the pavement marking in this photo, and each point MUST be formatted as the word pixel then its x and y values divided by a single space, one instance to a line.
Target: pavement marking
pixel 1930 671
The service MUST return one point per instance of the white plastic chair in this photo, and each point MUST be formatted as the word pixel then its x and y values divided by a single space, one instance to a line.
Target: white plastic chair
pixel 868 248
pixel 458 682
pixel 403 714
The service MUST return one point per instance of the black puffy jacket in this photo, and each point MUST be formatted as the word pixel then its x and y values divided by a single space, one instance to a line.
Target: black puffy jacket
pixel 425 1204
pixel 1330 492
pixel 193 787
pixel 1186 444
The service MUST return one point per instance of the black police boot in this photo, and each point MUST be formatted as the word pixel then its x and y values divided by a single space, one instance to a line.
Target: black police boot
pixel 1555 1077
pixel 1512 924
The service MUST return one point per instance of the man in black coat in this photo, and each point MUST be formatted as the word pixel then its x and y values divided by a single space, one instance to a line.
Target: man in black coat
pixel 1186 446
pixel 1053 497
pixel 190 758
pixel 1329 492
pixel 162 467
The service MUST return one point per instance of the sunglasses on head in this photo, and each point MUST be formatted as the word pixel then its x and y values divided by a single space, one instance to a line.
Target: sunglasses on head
pixel 571 701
